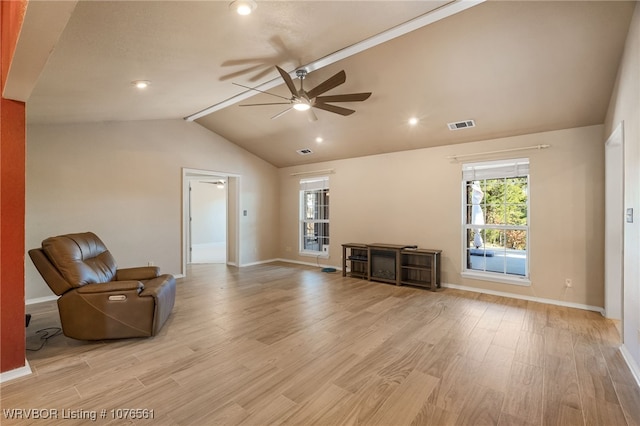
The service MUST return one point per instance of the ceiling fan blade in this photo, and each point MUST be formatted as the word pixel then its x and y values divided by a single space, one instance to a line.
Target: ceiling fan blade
pixel 281 113
pixel 311 115
pixel 287 79
pixel 333 108
pixel 261 91
pixel 328 84
pixel 268 103
pixel 349 97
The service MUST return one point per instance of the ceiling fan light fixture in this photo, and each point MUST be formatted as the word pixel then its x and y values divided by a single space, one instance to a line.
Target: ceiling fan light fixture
pixel 301 106
pixel 243 7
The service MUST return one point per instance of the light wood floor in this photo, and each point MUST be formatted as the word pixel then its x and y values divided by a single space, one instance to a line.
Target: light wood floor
pixel 288 344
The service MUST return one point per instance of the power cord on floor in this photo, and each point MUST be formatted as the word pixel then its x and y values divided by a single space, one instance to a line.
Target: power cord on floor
pixel 324 269
pixel 45 335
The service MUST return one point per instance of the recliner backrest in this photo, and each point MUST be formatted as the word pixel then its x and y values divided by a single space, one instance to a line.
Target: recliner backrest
pixel 80 258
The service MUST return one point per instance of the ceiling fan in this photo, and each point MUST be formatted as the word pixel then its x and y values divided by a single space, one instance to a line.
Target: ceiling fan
pixel 303 100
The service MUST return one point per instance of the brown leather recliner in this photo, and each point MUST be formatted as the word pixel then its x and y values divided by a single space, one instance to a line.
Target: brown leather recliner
pixel 97 300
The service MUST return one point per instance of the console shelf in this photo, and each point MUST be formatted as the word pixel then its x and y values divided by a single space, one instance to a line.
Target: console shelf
pixel 421 267
pixel 357 257
pixel 394 264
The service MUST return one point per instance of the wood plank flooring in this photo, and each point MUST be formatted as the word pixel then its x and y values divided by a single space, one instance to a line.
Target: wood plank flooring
pixel 288 344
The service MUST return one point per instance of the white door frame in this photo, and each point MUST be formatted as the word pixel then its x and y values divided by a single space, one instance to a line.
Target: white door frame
pixel 614 225
pixel 233 197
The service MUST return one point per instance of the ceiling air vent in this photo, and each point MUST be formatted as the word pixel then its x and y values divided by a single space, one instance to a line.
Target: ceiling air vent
pixel 461 125
pixel 304 151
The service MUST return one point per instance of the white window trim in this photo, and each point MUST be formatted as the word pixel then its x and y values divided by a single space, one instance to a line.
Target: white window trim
pixel 521 165
pixel 496 277
pixel 306 184
pixel 315 254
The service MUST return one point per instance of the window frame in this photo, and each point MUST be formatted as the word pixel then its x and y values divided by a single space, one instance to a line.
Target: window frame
pixel 316 185
pixel 487 170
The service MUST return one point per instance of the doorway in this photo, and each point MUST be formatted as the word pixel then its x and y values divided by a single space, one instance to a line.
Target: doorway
pixel 209 213
pixel 208 220
pixel 614 224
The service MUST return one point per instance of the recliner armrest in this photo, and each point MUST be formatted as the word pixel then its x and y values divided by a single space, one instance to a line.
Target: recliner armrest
pixel 110 287
pixel 157 285
pixel 138 273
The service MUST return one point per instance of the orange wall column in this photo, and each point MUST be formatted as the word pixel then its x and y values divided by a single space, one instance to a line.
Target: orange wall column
pixel 12 200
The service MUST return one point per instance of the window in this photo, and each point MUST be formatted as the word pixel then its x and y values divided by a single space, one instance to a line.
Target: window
pixel 314 216
pixel 496 220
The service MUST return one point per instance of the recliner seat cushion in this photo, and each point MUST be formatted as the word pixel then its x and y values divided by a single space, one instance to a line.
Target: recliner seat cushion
pixel 81 258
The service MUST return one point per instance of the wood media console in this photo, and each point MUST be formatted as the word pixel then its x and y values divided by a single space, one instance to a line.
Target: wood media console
pixel 391 263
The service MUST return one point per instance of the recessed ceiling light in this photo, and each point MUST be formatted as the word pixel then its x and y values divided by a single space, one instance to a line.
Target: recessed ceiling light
pixel 319 139
pixel 243 7
pixel 413 121
pixel 141 84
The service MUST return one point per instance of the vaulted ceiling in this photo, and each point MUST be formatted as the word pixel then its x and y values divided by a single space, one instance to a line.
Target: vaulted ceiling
pixel 513 67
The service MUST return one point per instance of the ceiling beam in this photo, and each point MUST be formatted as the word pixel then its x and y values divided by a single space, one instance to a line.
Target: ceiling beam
pixel 445 11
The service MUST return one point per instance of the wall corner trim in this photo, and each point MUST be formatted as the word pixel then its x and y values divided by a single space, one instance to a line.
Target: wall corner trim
pixel 631 363
pixel 14 374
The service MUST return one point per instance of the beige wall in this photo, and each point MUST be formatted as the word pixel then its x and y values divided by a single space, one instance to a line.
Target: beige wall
pixel 414 197
pixel 625 107
pixel 122 180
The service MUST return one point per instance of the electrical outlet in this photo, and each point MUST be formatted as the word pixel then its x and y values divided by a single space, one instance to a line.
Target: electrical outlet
pixel 568 283
pixel 150 263
pixel 287 248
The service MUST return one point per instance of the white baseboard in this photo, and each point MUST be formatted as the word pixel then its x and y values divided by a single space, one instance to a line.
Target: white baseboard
pixel 40 300
pixel 299 262
pixel 14 374
pixel 529 298
pixel 259 262
pixel 633 366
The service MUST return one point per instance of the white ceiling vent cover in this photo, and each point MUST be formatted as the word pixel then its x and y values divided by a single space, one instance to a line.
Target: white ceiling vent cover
pixel 461 125
pixel 304 151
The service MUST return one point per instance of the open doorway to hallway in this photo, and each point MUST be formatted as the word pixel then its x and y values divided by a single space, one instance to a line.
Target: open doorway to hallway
pixel 210 217
pixel 208 225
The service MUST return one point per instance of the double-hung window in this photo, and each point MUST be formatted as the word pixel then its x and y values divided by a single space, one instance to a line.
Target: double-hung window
pixel 496 220
pixel 314 216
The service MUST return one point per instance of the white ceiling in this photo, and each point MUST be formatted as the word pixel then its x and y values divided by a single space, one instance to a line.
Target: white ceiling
pixel 513 67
